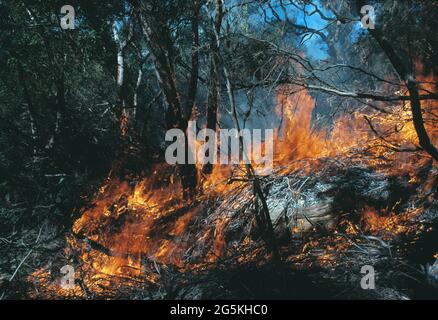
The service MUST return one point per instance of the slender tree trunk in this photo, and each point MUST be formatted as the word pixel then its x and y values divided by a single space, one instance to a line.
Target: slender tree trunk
pixel 407 75
pixel 135 99
pixel 159 42
pixel 188 172
pixel 31 112
pixel 162 51
pixel 267 228
pixel 60 112
pixel 417 118
pixel 193 82
pixel 121 45
pixel 214 79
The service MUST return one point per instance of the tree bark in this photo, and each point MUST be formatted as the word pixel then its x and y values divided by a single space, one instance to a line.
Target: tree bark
pixel 121 45
pixel 214 79
pixel 135 98
pixel 193 82
pixel 162 50
pixel 160 45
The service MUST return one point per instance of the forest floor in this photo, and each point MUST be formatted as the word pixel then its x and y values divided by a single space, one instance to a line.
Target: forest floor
pixel 329 223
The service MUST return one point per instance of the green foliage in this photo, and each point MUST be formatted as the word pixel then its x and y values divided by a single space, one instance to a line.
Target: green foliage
pixel 46 166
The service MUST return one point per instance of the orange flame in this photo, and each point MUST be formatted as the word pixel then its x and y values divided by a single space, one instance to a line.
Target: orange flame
pixel 125 218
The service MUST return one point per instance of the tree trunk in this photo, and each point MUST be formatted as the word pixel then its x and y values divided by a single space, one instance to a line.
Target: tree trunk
pixel 162 51
pixel 60 120
pixel 407 75
pixel 121 111
pixel 135 99
pixel 265 219
pixel 30 110
pixel 214 83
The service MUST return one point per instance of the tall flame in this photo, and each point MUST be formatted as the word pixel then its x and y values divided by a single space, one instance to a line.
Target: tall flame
pixel 149 219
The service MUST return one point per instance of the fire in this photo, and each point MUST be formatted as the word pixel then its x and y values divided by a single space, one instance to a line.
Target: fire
pixel 388 224
pixel 297 140
pixel 375 222
pixel 132 221
pixel 124 122
pixel 380 138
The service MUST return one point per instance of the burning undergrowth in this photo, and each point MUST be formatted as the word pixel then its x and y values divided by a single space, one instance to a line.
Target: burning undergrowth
pixel 338 200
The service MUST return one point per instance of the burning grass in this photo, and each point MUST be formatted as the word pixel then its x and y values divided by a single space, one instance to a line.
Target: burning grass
pixel 138 231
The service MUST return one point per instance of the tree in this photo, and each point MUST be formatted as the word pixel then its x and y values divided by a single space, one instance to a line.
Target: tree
pixel 214 79
pixel 406 72
pixel 155 25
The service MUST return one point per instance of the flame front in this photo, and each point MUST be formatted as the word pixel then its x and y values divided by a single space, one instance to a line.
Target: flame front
pixel 130 225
